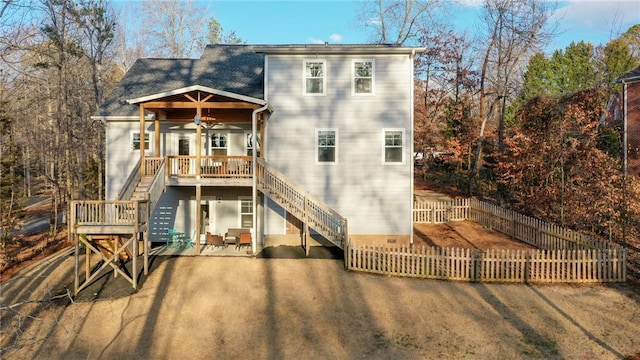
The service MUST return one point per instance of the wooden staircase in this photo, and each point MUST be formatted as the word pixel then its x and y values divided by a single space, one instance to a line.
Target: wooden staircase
pixel 141 191
pixel 310 210
pixel 118 231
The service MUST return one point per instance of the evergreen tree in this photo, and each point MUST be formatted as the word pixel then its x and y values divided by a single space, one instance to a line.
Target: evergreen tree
pixel 614 61
pixel 537 78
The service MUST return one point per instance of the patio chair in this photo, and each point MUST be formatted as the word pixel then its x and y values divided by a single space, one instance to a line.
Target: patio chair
pixel 245 239
pixel 174 238
pixel 188 241
pixel 215 240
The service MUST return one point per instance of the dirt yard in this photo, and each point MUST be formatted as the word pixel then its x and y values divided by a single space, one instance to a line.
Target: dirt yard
pixel 275 308
pixel 464 234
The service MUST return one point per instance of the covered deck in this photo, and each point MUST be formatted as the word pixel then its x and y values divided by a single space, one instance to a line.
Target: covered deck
pixel 206 108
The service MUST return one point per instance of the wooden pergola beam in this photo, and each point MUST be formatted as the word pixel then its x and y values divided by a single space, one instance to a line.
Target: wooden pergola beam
pixel 200 104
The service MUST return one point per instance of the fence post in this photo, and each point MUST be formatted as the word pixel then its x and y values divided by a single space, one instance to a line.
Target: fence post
pixel 475 265
pixel 347 255
pixel 527 260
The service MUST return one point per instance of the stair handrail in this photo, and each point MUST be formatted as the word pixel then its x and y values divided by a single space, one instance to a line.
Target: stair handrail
pixel 319 216
pixel 130 184
pixel 157 186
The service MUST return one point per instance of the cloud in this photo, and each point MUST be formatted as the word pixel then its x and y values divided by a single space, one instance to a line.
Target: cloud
pixel 373 21
pixel 469 3
pixel 332 37
pixel 313 40
pixel 599 15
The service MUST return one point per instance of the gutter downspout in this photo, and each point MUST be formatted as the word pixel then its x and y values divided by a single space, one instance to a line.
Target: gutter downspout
pixel 412 110
pixel 254 178
pixel 625 158
pixel 624 130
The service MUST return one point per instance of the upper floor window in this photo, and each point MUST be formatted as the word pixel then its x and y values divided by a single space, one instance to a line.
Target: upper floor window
pixel 219 144
pixel 393 152
pixel 314 77
pixel 326 150
pixel 363 71
pixel 251 145
pixel 135 141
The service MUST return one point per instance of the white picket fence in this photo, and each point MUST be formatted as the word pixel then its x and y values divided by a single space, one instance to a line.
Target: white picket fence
pixel 563 255
pixel 493 265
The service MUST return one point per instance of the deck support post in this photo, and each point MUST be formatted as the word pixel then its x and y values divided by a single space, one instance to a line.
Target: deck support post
pixel 306 224
pixel 198 217
pixel 134 266
pixel 87 262
pixel 145 245
pixel 142 136
pixel 198 173
pixel 76 282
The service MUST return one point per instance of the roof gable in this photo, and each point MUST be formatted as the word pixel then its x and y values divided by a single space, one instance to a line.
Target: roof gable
pixel 227 69
pixel 197 88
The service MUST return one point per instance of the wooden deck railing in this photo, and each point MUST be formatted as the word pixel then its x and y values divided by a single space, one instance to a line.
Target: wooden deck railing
pixel 95 212
pixel 320 217
pixel 130 184
pixel 152 165
pixel 157 186
pixel 210 166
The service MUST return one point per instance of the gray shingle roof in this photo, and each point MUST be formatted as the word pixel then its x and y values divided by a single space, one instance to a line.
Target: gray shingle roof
pixel 631 75
pixel 233 68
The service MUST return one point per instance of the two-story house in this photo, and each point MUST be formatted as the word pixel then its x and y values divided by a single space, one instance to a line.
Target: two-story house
pixel 277 140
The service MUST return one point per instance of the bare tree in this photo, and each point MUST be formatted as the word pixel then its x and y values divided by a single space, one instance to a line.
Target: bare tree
pixel 398 21
pixel 97 23
pixel 174 28
pixel 513 30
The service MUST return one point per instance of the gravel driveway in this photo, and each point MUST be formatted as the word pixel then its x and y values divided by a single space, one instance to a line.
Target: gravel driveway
pixel 256 308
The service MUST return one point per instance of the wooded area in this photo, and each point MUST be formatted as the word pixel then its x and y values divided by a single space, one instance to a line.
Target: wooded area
pixel 501 119
pixel 58 60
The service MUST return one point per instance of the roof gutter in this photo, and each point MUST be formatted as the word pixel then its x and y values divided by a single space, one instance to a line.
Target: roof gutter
pixel 315 49
pixel 254 178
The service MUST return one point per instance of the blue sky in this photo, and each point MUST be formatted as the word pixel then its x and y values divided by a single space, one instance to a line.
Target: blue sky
pixel 309 21
pixel 317 21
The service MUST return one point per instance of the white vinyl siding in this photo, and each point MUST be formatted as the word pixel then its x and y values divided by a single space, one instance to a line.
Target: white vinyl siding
pixel 359 180
pixel 120 158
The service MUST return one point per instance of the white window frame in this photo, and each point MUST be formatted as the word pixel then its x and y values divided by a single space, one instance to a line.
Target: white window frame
pixel 335 146
pixel 240 213
pixel 384 146
pixel 324 77
pixel 147 141
pixel 354 77
pixel 253 143
pixel 212 148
